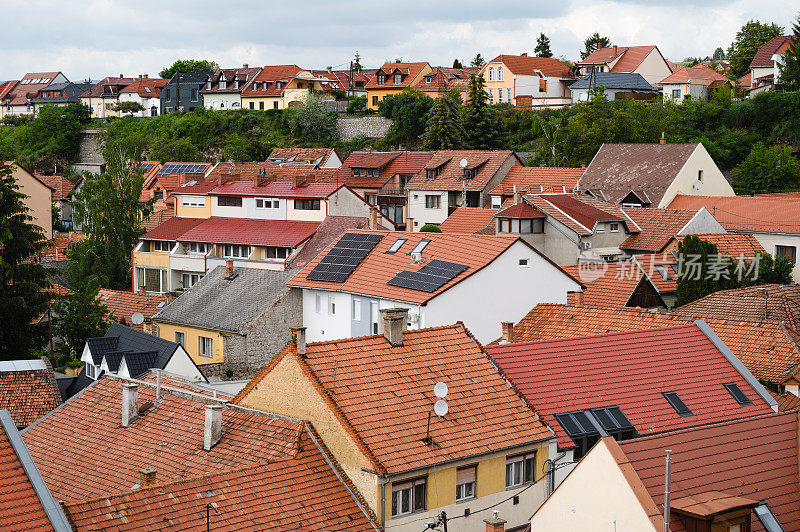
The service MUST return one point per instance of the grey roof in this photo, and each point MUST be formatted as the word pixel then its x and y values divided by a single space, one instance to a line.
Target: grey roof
pixel 219 304
pixel 133 344
pixel 616 80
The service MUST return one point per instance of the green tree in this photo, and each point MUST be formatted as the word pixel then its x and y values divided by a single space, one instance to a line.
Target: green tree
pixel 457 64
pixel 108 208
pixel 430 228
pixel 53 137
pixel 188 65
pixel 747 42
pixel 478 61
pixel 409 112
pixel 719 54
pixel 312 123
pixel 444 130
pixel 356 104
pixel 550 149
pixel 543 46
pixel 78 316
pixel 594 42
pixel 129 107
pixel 481 123
pixel 22 283
pixel 695 282
pixel 789 70
pixel 768 169
pixel 774 270
pixel 357 63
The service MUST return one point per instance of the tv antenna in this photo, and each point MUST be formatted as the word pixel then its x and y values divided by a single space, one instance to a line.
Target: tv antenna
pixel 440 408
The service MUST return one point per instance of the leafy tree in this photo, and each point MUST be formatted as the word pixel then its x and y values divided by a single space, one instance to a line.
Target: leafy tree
pixel 543 46
pixel 356 104
pixel 408 111
pixel 747 42
pixel 22 299
pixel 695 282
pixel 356 65
pixel 774 270
pixel 550 147
pixel 78 316
pixel 457 64
pixel 188 65
pixel 594 42
pixel 719 54
pixel 478 61
pixel 430 228
pixel 128 107
pixel 176 149
pixel 768 169
pixel 312 123
pixel 245 148
pixel 444 130
pixel 110 212
pixel 53 137
pixel 789 70
pixel 481 124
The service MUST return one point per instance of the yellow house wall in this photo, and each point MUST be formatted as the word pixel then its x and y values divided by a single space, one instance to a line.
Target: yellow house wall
pixel 383 93
pixel 508 81
pixel 158 259
pixel 287 390
pixel 167 332
pixel 183 211
pixel 37 200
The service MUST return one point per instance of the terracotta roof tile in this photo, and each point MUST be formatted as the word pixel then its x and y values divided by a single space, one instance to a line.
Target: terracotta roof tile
pixel 242 75
pixel 661 269
pixel 786 401
pixel 488 163
pixel 109 86
pixel 775 303
pixel 409 72
pixel 60 185
pixel 524 65
pixel 172 228
pixel 698 72
pixel 469 220
pixel 733 244
pixel 536 179
pixel 247 231
pixel 122 304
pixel 608 284
pixel 328 232
pixel 629 370
pixel 146 87
pixel 266 171
pixel 658 227
pixel 391 164
pixel 759 213
pixel 28 394
pixel 579 213
pixel 58 247
pixel 276 189
pixel 630 57
pixel 520 210
pixel 295 155
pixel 272 73
pixel 766 349
pixel 18 94
pixel 156 218
pixel 763 56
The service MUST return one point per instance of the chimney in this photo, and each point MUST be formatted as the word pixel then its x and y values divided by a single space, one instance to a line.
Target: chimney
pixel 373 218
pixel 494 523
pixel 574 298
pixel 147 476
pixel 410 225
pixel 299 339
pixel 146 76
pixel 212 431
pixel 393 323
pixel 508 332
pixel 524 54
pixel 663 139
pixel 517 196
pixel 245 65
pixel 130 403
pixel 228 269
pixel 121 76
pixel 614 51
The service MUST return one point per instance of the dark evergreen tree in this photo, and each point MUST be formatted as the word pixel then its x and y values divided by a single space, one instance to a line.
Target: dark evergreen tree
pixel 457 64
pixel 78 316
pixel 357 63
pixel 444 130
pixel 594 42
pixel 719 54
pixel 789 70
pixel 478 61
pixel 543 46
pixel 482 126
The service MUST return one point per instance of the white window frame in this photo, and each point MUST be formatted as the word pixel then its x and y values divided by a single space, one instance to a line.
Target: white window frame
pixel 409 488
pixel 613 227
pixel 205 347
pixel 499 73
pixel 438 201
pixel 497 202
pixel 190 200
pixel 601 227
pixel 491 74
pixel 466 482
pixel 91 371
pixel 331 306
pixel 499 94
pixel 510 95
pixel 193 279
pixel 356 309
pixel 229 251
pixel 516 465
pixel 180 338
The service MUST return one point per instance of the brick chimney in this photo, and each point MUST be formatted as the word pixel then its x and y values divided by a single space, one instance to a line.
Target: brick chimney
pixel 410 225
pixel 524 54
pixel 393 323
pixel 614 51
pixel 574 298
pixel 517 196
pixel 494 523
pixel 212 431
pixel 663 139
pixel 245 65
pixel 508 332
pixel 146 76
pixel 373 218
pixel 228 269
pixel 147 476
pixel 299 339
pixel 130 403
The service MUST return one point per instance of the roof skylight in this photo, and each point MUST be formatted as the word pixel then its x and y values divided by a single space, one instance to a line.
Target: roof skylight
pixel 677 403
pixel 738 394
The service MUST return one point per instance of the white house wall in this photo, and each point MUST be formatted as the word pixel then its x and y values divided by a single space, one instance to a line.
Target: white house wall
pixel 345 202
pixel 769 240
pixel 181 364
pixel 222 101
pixel 420 213
pixel 653 68
pixel 332 161
pixel 702 223
pixel 714 183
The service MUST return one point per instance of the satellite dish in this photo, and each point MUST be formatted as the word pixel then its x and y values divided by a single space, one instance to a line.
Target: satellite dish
pixel 463 163
pixel 440 407
pixel 137 318
pixel 440 390
pixel 697 185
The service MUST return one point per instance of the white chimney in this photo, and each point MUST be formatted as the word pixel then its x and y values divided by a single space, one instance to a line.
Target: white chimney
pixel 130 403
pixel 213 426
pixel 299 335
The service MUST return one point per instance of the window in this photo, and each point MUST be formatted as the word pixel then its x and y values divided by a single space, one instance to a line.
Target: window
pixel 509 91
pixel 432 173
pixel 194 95
pixel 252 105
pixel 91 371
pixel 159 245
pixel 299 84
pixel 491 73
pixel 427 79
pixel 193 201
pixel 229 201
pixel 222 84
pixel 408 497
pixel 432 201
pixel 614 227
pixel 420 246
pixel 505 225
pixel 331 306
pixel 523 263
pixel 267 204
pixel 196 248
pixel 499 73
pixel 677 403
pixel 180 338
pixel 586 427
pixel 381 80
pixel 600 228
pixel 206 347
pixel 542 85
pixel 260 106
pixel 700 175
pixel 235 252
pixel 189 279
pixel 738 394
pixel 469 173
pixel 788 252
pixel 395 247
pixel 676 93
pixel 277 253
pixel 520 469
pixel 497 202
pixel 499 94
pixel 398 79
pixel 152 280
pixel 374 100
pixel 274 105
pixel 767 517
pixel 306 204
pixel 465 483
pixel 526 225
pixel 372 199
pixel 491 95
pixel 318 303
pixel 366 172
pixel 356 309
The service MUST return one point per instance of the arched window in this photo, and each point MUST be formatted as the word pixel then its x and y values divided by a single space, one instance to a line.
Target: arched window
pixel 491 73
pixel 499 73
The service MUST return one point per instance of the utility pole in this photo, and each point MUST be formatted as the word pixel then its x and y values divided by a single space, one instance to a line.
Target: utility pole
pixel 50 329
pixel 444 520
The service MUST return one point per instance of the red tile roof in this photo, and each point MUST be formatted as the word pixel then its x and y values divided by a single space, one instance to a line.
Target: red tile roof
pixel 629 370
pixel 141 85
pixel 29 394
pixel 272 73
pixel 771 302
pixel 786 401
pixel 776 213
pixel 371 276
pixel 296 155
pixel 658 227
pixel 524 65
pixel 763 56
pixel 536 179
pixel 60 185
pixel 608 284
pixel 242 75
pixel 698 72
pixel 6 86
pixel 661 269
pixel 329 231
pixel 110 86
pixel 766 349
pixel 409 71
pixel 754 458
pixel 20 506
pixel 247 231
pixel 630 57
pixel 18 95
pixel 578 212
pixel 122 304
pixel 486 162
pixel 392 163
pixel 443 79
pixel 276 189
pixel 733 244
pixel 469 220
pixel 57 248
pixel 520 210
pixel 172 229
pixel 157 218
pixel 372 382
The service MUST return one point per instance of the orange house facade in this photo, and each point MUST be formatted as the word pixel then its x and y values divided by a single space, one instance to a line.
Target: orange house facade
pixel 523 81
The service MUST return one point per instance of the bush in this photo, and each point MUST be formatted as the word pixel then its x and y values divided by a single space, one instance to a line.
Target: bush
pixel 768 169
pixel 312 123
pixel 357 104
pixel 430 228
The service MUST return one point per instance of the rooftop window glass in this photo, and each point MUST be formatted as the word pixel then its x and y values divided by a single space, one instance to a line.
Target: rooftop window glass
pixel 677 403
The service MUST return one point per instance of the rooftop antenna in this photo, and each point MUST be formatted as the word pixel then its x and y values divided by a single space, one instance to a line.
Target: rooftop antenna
pixel 463 164
pixel 440 408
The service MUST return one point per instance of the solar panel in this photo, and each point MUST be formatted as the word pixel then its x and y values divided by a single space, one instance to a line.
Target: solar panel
pixel 430 277
pixel 146 166
pixel 343 257
pixel 677 403
pixel 181 168
pixel 738 394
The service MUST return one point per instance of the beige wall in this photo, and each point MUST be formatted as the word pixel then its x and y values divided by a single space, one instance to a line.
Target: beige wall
pixel 595 496
pixel 714 183
pixel 38 199
pixel 653 68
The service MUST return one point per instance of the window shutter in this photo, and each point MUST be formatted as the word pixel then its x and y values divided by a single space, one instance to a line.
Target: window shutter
pixel 465 475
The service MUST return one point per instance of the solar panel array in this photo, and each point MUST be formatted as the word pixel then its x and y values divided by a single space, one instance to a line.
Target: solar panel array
pixel 146 166
pixel 343 258
pixel 430 277
pixel 182 168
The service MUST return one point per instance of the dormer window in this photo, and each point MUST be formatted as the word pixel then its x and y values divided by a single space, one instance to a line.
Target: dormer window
pixel 433 173
pixel 235 83
pixel 381 79
pixel 279 85
pixel 366 172
pixel 223 84
pixel 208 85
pixel 427 79
pixel 398 78
pixel 469 173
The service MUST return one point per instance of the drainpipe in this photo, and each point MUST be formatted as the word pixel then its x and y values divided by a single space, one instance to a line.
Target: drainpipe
pixel 383 501
pixel 666 492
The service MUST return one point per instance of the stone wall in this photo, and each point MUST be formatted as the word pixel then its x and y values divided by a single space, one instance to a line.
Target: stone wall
pixel 90 158
pixel 372 127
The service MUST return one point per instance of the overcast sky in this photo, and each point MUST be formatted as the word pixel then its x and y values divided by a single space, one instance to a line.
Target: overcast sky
pixel 98 38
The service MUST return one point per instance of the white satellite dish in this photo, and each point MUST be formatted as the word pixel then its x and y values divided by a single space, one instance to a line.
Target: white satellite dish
pixel 440 407
pixel 137 318
pixel 463 163
pixel 697 185
pixel 440 390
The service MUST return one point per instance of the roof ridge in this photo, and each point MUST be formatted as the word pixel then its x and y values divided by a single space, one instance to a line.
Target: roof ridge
pixel 380 335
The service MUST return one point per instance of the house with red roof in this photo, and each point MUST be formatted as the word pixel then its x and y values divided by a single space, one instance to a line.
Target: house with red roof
pixel 646 61
pixel 438 277
pixel 535 180
pixel 224 88
pixel 736 475
pixel 391 78
pixel 692 82
pixel 442 80
pixel 352 82
pixel 614 284
pixel 103 96
pixel 630 384
pixel 765 66
pixel 527 81
pixel 17 98
pixel 279 87
pixel 146 92
pixel 317 157
pixel 28 389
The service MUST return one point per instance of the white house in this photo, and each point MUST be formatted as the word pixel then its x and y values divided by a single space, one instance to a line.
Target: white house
pixel 146 92
pixel 223 90
pixel 645 60
pixel 691 82
pixel 439 277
